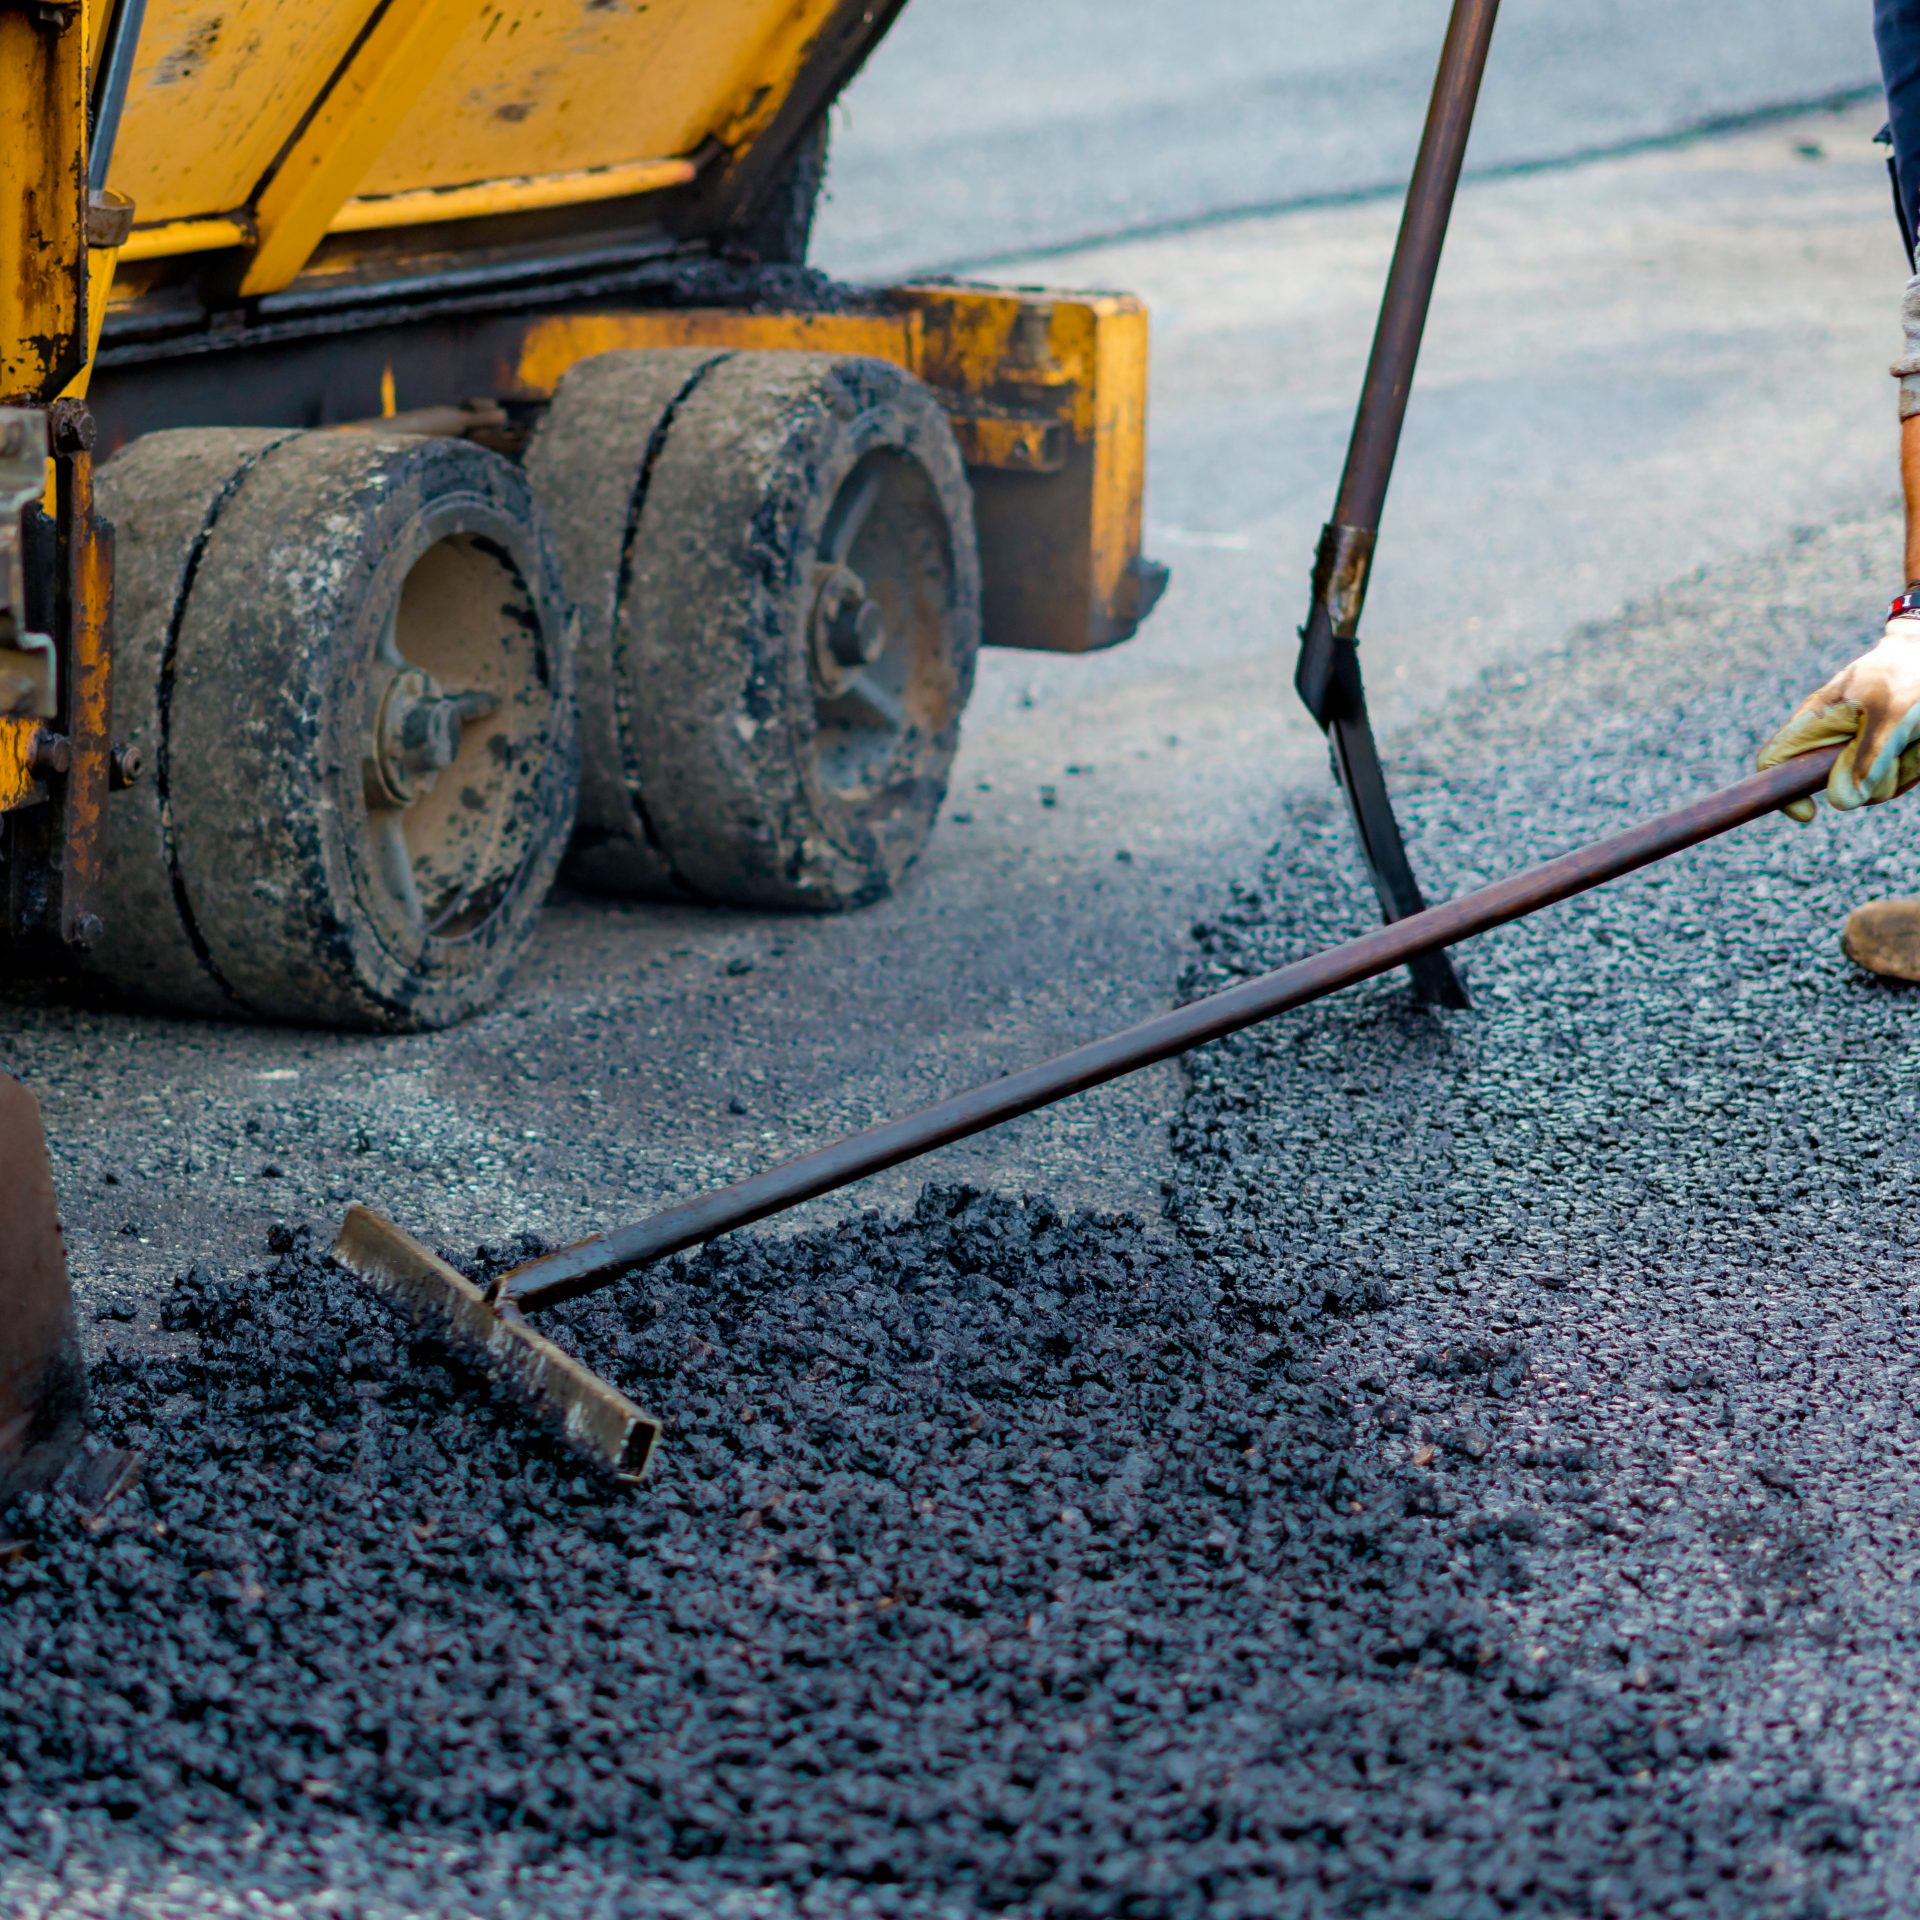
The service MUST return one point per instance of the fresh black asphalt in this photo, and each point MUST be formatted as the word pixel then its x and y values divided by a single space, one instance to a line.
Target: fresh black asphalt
pixel 1492 1488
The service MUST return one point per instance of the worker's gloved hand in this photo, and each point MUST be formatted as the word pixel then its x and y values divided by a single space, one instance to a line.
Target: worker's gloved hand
pixel 1875 705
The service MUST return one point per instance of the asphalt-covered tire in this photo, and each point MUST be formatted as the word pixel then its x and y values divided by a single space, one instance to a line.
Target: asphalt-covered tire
pixel 347 663
pixel 589 465
pixel 773 560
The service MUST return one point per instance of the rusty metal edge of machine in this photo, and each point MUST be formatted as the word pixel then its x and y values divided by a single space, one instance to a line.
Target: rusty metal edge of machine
pixel 42 1381
pixel 488 1325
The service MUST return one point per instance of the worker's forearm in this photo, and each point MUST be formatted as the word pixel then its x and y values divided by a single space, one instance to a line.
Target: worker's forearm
pixel 1910 486
pixel 1906 370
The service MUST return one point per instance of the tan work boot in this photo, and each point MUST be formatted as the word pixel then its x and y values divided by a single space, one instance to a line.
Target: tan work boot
pixel 1884 937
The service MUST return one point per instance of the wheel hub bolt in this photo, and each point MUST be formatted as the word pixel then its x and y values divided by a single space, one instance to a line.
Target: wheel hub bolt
pixel 417 735
pixel 849 630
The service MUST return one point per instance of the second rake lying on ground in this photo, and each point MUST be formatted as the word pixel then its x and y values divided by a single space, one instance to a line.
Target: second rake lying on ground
pixel 489 1323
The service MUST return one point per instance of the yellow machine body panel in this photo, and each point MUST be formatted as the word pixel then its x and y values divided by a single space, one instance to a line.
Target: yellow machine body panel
pixel 43 205
pixel 218 89
pixel 570 85
pixel 251 124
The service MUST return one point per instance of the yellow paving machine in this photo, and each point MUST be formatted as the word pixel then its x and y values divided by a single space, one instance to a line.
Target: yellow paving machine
pixel 464 415
pixel 427 460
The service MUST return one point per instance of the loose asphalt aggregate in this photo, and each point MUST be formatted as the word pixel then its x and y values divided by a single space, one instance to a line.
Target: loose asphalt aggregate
pixel 1491 1488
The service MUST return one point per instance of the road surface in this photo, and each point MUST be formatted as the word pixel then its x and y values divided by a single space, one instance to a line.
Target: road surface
pixel 1646 496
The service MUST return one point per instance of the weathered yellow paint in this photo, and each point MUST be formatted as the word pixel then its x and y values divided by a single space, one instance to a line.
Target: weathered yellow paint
pixel 1111 352
pixel 517 195
pixel 257 119
pixel 219 88
pixel 101 262
pixel 167 238
pixel 327 160
pixel 18 787
pixel 43 203
pixel 551 86
pixel 551 346
pixel 764 74
pixel 1060 548
pixel 1047 395
pixel 1011 441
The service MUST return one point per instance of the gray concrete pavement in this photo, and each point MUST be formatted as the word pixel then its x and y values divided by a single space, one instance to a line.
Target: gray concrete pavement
pixel 988 126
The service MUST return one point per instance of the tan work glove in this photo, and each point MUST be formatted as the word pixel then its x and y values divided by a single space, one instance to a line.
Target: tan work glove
pixel 1874 704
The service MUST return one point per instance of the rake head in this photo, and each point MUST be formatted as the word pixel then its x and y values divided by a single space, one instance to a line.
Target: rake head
pixel 596 1420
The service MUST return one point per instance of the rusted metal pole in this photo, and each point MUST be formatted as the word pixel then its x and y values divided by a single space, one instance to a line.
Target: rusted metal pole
pixel 1328 673
pixel 1416 266
pixel 592 1263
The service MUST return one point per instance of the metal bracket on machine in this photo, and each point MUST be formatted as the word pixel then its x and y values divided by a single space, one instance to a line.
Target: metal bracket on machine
pixel 1328 674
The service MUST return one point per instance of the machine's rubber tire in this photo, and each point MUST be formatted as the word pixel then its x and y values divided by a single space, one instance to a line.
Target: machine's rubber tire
pixel 589 464
pixel 161 494
pixel 700 496
pixel 273 593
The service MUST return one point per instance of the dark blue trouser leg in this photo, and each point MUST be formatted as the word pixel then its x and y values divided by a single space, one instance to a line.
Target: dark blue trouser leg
pixel 1896 31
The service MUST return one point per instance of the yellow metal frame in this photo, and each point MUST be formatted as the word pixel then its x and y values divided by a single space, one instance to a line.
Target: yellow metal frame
pixel 524 193
pixel 1047 393
pixel 256 127
pixel 550 346
pixel 43 204
pixel 19 786
pixel 49 285
pixel 360 112
pixel 168 239
pixel 527 193
pixel 1061 517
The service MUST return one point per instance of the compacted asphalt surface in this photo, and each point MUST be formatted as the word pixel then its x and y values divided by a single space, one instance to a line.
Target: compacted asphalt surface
pixel 1487 1487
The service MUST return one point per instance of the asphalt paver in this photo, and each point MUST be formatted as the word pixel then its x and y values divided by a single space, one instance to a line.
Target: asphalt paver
pixel 1489 1489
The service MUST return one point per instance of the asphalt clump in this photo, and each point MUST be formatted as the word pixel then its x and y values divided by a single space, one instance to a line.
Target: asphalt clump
pixel 994 1558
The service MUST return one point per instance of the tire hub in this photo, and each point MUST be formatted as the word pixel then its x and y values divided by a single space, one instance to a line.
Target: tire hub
pixel 416 736
pixel 848 632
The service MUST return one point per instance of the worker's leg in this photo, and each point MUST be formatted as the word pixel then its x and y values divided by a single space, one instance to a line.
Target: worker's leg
pixel 1896 31
pixel 1884 935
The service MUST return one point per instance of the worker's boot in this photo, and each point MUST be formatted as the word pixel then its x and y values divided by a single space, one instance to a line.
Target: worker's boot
pixel 1884 937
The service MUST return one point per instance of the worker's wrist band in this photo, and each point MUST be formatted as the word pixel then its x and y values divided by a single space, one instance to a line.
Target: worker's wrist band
pixel 1907 605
